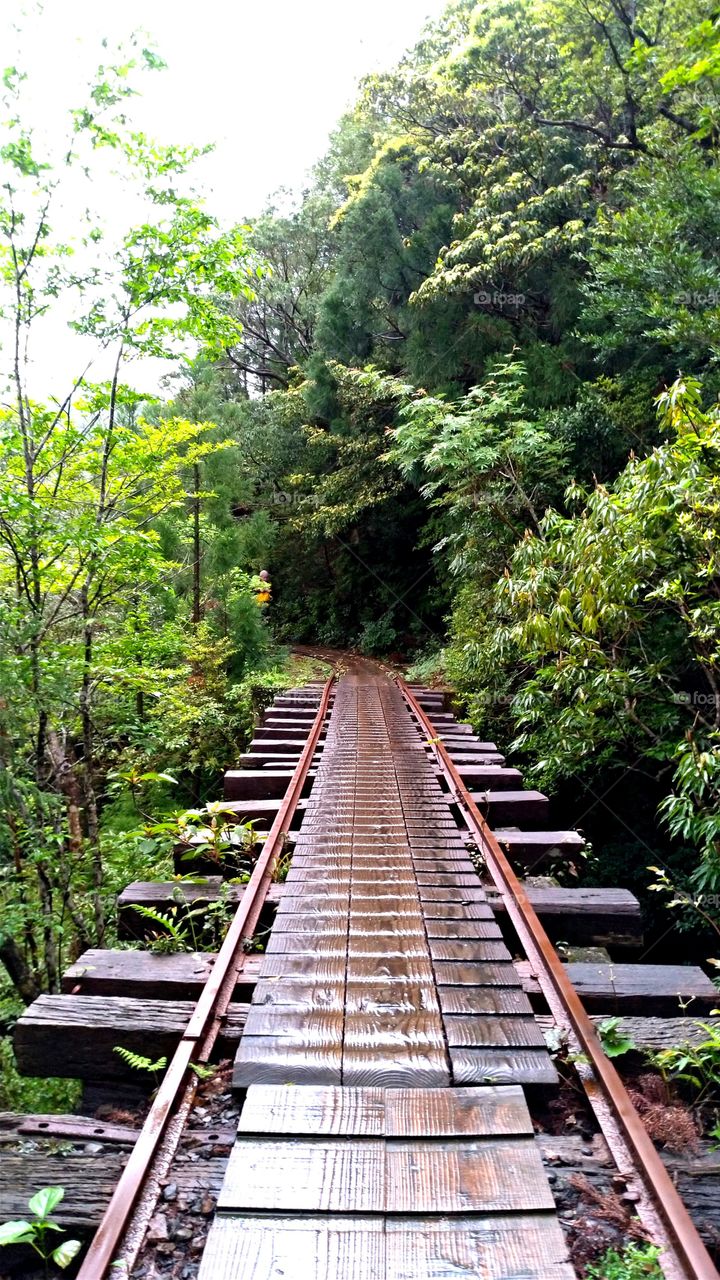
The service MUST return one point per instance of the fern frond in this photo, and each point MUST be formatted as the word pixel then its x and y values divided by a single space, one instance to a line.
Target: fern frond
pixel 137 1061
pixel 202 1073
pixel 162 919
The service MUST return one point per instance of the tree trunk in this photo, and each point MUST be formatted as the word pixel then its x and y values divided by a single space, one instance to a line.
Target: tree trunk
pixel 19 971
pixel 50 950
pixel 88 776
pixel 196 613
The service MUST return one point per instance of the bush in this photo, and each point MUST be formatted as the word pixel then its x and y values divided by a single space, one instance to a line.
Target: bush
pixel 636 1262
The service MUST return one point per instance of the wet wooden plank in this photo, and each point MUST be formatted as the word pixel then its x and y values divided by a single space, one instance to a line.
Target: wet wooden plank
pixel 458 973
pixel 75 1036
pixel 298 944
pixel 527 1247
pixel 391 999
pixel 468 950
pixel 259 784
pixel 286 732
pixel 311 1111
pixel 513 808
pixel 602 917
pixel 309 1248
pixel 89 1183
pixel 394 1049
pixel 324 970
pixel 462 928
pixel 315 903
pixel 274 1060
pixel 378 970
pixel 299 995
pixel 481 1001
pixel 458 908
pixel 502 1066
pixel 381 1112
pixel 442 880
pixel 302 923
pixel 490 776
pixel 380 926
pixel 393 1175
pixel 457 1112
pixel 493 1032
pixel 291 1175
pixel 458 865
pixel 385 946
pixel 427 1066
pixel 634 988
pixel 299 1029
pixel 138 974
pixel 453 1176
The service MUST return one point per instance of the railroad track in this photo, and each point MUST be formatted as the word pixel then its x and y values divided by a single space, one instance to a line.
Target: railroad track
pixel 390 1044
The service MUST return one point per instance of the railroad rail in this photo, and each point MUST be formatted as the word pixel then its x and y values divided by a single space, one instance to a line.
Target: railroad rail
pixel 175 1095
pixel 391 1044
pixel 659 1205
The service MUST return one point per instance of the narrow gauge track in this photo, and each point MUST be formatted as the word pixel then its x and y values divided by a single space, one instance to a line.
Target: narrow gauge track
pixel 358 1082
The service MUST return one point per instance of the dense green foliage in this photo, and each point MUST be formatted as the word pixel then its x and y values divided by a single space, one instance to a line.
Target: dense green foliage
pixel 501 419
pixel 133 654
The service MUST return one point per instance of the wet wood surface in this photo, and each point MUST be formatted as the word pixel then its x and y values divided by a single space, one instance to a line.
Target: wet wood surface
pixel 366 1248
pixel 389 1183
pixel 381 910
pixel 657 989
pixel 74 1036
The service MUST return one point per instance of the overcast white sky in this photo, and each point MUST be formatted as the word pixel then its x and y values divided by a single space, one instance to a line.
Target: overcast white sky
pixel 265 81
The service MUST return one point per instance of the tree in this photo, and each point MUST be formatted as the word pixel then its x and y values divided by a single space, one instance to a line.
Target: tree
pixel 86 475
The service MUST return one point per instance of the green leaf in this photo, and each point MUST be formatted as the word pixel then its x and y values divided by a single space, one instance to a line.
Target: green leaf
pixel 16 1232
pixel 44 1201
pixel 65 1252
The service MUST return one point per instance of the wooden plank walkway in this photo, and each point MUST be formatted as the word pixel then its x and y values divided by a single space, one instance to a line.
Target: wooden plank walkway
pixel 385 1184
pixel 385 965
pixel 385 986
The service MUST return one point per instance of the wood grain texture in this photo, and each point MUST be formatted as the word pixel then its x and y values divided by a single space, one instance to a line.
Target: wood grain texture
pixel 661 989
pixel 75 1036
pixel 311 1112
pixel 378 1112
pixel 307 1248
pixel 492 1032
pixel 461 928
pixel 502 1066
pixel 274 1060
pixel 467 949
pixel 480 1001
pixel 388 1175
pixel 527 1247
pixel 298 995
pixel 400 996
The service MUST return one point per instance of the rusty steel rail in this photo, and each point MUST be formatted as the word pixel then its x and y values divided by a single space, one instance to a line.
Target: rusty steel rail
pixel 177 1088
pixel 684 1254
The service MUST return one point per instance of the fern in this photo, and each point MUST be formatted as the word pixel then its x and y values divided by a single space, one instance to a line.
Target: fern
pixel 202 1072
pixel 174 932
pixel 138 1062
